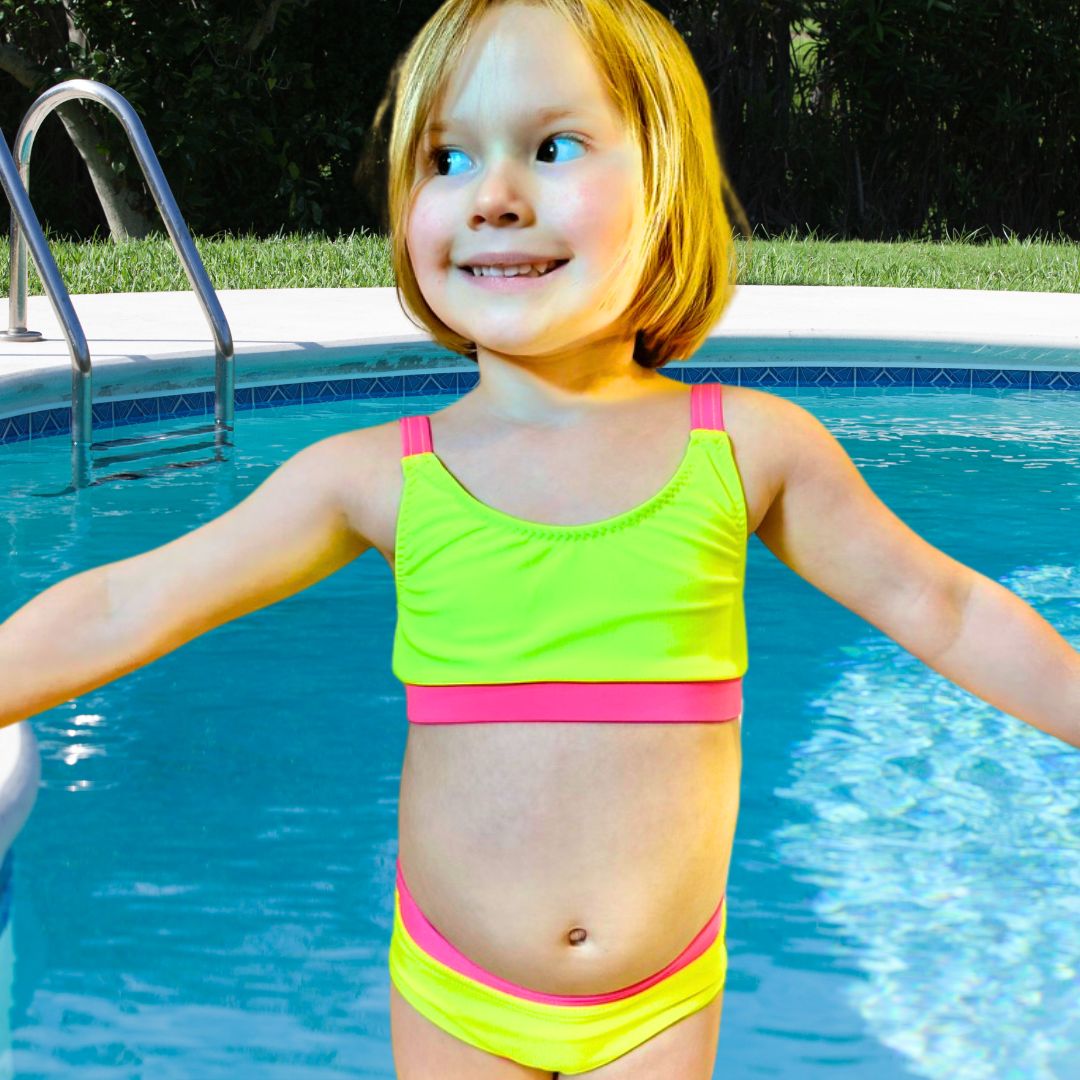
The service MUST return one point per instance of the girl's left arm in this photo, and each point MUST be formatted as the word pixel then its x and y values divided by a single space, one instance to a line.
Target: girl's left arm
pixel 828 526
pixel 1010 656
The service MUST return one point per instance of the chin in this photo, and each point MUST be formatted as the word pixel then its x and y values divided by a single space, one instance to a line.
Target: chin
pixel 520 349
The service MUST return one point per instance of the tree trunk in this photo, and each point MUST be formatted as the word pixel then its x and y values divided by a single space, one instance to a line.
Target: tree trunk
pixel 121 206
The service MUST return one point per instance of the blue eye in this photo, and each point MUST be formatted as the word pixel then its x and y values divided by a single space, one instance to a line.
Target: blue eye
pixel 436 152
pixel 569 138
pixel 435 155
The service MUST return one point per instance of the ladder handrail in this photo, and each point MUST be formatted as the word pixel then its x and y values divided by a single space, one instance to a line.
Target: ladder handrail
pixel 175 225
pixel 22 212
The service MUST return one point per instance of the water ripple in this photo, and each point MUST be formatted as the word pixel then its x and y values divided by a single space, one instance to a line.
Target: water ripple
pixel 945 836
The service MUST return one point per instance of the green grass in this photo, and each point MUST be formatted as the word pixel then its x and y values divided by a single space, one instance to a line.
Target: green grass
pixel 1028 265
pixel 362 260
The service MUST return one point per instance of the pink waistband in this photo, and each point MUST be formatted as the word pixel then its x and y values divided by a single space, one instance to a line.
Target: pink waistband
pixel 435 945
pixel 598 702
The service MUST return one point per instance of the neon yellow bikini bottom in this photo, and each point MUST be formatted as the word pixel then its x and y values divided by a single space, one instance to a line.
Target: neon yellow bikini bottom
pixel 564 1033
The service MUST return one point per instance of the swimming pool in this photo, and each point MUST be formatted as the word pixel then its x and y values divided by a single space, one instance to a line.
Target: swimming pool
pixel 205 885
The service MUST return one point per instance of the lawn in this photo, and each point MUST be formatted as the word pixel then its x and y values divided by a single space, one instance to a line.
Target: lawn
pixel 362 260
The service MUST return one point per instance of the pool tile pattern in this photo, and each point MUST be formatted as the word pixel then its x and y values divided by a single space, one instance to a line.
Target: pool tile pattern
pixel 46 423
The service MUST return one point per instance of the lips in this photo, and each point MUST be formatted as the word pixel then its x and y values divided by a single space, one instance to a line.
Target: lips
pixel 519 283
pixel 468 268
pixel 509 258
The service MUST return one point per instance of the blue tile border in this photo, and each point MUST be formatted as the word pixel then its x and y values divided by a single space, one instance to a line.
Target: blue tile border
pixel 47 423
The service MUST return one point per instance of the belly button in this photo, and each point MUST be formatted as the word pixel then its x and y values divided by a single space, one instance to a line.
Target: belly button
pixel 577 935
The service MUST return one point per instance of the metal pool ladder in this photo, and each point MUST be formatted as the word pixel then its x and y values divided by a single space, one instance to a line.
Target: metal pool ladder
pixel 26 229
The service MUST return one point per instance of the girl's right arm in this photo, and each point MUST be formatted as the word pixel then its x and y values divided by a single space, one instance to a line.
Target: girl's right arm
pixel 91 628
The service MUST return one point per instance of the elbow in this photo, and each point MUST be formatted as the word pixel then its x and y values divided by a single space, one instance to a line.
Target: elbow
pixel 931 622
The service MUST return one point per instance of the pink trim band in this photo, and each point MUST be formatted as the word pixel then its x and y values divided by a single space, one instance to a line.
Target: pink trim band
pixel 435 945
pixel 599 702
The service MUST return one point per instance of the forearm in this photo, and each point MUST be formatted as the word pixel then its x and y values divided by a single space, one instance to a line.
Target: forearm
pixel 58 645
pixel 1011 657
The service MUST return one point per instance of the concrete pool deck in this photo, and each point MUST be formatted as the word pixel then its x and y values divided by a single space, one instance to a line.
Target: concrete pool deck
pixel 154 343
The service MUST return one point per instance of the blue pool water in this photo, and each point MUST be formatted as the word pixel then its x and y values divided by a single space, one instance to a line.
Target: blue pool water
pixel 205 886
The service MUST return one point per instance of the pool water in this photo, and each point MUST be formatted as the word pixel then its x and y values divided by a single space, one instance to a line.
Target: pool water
pixel 205 886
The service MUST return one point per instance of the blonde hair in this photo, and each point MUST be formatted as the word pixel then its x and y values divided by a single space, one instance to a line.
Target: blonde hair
pixel 688 264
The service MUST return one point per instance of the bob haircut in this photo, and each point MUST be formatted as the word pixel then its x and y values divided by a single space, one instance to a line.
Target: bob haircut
pixel 687 262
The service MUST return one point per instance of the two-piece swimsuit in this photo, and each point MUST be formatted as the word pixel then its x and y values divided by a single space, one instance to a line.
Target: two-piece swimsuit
pixel 635 619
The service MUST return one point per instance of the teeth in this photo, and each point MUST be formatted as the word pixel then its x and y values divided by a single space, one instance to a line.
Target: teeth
pixel 520 270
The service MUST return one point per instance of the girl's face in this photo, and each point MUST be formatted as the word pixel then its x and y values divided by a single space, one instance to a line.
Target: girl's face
pixel 505 179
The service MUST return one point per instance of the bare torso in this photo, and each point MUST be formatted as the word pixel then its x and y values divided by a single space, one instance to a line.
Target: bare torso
pixel 513 835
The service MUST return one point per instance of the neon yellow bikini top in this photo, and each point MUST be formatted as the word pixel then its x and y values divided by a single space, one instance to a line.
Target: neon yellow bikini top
pixel 636 618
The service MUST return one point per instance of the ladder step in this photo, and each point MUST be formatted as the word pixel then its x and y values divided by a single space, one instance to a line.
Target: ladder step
pixel 154 436
pixel 183 448
pixel 153 470
pixel 142 474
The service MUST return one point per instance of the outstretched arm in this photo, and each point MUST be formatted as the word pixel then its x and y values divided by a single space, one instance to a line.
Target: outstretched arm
pixel 93 627
pixel 828 526
pixel 1006 653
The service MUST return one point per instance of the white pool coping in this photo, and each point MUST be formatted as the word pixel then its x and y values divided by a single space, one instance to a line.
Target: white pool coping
pixel 281 331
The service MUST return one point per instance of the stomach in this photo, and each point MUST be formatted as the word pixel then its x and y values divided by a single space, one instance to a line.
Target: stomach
pixel 512 835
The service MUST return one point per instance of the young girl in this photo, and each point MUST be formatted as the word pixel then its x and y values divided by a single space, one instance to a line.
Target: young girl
pixel 569 546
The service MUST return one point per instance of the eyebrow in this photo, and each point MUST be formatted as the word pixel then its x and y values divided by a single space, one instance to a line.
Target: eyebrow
pixel 542 116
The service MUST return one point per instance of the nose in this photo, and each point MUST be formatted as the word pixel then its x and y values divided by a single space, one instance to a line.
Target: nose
pixel 501 199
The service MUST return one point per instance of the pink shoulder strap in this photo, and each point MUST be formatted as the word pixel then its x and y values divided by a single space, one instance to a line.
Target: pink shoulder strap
pixel 415 435
pixel 706 411
pixel 706 406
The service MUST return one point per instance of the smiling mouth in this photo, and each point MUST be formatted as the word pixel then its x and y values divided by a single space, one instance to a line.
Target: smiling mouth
pixel 467 270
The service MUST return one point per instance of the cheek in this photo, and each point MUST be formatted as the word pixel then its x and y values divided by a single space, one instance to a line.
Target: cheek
pixel 599 213
pixel 427 236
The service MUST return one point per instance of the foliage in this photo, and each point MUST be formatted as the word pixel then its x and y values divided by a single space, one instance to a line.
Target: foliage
pixel 883 119
pixel 952 112
pixel 250 139
pixel 870 119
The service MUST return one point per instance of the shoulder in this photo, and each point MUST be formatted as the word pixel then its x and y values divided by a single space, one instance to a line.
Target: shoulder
pixel 766 424
pixel 794 445
pixel 762 430
pixel 363 466
pixel 744 407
